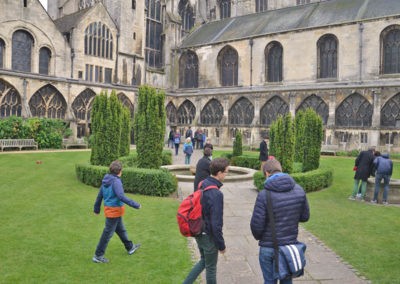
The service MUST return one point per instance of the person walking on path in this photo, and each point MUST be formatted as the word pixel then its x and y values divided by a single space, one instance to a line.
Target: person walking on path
pixel 211 241
pixel 202 168
pixel 364 165
pixel 384 170
pixel 263 152
pixel 171 138
pixel 177 141
pixel 188 150
pixel 112 192
pixel 290 206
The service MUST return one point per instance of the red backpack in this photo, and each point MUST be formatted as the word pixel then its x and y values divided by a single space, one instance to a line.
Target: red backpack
pixel 189 216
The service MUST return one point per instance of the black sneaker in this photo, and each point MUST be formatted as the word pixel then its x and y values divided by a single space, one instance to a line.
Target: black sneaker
pixel 133 249
pixel 100 259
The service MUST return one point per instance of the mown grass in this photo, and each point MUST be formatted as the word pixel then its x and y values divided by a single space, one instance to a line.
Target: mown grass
pixel 48 232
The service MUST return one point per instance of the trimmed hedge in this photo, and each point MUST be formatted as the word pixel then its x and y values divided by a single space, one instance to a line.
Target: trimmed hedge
pixel 246 162
pixel 132 159
pixel 155 182
pixel 309 181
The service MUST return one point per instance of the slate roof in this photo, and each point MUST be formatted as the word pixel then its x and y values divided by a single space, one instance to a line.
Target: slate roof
pixel 312 15
pixel 68 22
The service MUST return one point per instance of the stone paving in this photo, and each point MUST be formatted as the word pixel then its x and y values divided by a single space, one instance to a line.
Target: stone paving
pixel 240 262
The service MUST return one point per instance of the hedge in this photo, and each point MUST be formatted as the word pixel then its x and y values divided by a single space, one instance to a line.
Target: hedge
pixel 155 182
pixel 246 162
pixel 132 159
pixel 309 181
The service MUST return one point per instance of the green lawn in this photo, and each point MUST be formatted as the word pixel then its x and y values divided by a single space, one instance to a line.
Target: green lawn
pixel 48 232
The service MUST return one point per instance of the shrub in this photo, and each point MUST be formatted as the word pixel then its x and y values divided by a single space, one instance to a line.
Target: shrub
pixel 132 159
pixel 246 162
pixel 309 181
pixel 237 145
pixel 155 182
pixel 282 141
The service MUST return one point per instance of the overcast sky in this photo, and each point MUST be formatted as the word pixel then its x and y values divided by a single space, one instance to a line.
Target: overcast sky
pixel 44 3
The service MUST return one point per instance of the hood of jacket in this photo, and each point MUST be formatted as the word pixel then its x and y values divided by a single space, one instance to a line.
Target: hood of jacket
pixel 108 179
pixel 279 182
pixel 385 155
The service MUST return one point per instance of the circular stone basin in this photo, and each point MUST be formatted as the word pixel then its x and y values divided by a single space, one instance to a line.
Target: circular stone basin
pixel 235 174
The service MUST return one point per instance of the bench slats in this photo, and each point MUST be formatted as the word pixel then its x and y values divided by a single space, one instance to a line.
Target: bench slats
pixel 18 143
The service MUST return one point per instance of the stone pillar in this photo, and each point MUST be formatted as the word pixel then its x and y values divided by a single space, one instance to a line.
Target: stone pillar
pixel 376 119
pixel 255 130
pixel 332 110
pixel 224 134
pixel 292 104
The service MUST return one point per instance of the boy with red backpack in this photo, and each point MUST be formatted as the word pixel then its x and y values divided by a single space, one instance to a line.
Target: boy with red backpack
pixel 211 240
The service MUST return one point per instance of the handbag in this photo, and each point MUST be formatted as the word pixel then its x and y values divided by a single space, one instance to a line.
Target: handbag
pixel 289 260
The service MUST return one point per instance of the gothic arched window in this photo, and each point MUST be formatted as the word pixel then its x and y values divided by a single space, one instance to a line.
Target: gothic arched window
pixel 2 52
pixel 272 109
pixel 390 113
pixel 22 44
pixel 99 40
pixel 10 100
pixel 212 113
pixel 186 113
pixel 242 112
pixel 273 62
pixel 126 102
pixel 317 104
pixel 48 102
pixel 154 30
pixel 327 56
pixel 261 5
pixel 225 8
pixel 228 66
pixel 390 50
pixel 44 60
pixel 354 111
pixel 82 105
pixel 171 113
pixel 185 10
pixel 188 70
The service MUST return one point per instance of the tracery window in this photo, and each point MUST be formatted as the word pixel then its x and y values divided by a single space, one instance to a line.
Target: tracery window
pixel 354 111
pixel 22 44
pixel 261 5
pixel 273 62
pixel 228 66
pixel 272 109
pixel 154 30
pixel 225 8
pixel 390 113
pixel 44 60
pixel 390 42
pixel 10 100
pixel 242 112
pixel 185 10
pixel 317 104
pixel 186 112
pixel 2 52
pixel 327 56
pixel 212 113
pixel 99 40
pixel 188 70
pixel 48 102
pixel 82 105
pixel 171 113
pixel 127 103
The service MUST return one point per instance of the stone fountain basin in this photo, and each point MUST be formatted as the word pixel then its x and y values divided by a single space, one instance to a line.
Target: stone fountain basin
pixel 236 174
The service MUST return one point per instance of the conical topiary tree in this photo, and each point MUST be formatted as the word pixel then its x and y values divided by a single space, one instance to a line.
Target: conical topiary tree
pixel 237 145
pixel 313 134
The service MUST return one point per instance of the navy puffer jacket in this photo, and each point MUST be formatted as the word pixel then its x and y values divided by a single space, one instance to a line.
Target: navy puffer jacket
pixel 290 207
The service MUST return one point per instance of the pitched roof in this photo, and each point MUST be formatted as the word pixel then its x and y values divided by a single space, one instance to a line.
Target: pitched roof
pixel 312 15
pixel 68 22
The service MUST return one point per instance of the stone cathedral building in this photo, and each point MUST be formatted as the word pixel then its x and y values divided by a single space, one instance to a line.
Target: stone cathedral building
pixel 225 65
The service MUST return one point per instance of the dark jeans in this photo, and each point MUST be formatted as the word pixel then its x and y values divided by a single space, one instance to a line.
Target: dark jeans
pixel 113 225
pixel 176 149
pixel 266 258
pixel 386 179
pixel 208 260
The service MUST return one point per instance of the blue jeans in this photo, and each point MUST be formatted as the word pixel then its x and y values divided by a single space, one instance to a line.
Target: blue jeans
pixel 266 258
pixel 113 225
pixel 356 187
pixel 176 149
pixel 187 159
pixel 386 179
pixel 208 260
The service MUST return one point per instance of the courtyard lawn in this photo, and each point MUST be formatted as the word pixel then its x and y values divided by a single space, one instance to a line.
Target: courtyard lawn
pixel 48 231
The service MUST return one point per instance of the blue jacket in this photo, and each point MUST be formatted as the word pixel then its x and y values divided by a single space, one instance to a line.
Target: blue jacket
pixel 290 207
pixel 112 192
pixel 213 211
pixel 383 165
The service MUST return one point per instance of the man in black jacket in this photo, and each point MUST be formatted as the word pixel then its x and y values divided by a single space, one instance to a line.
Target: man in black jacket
pixel 211 241
pixel 364 167
pixel 203 167
pixel 263 152
pixel 290 206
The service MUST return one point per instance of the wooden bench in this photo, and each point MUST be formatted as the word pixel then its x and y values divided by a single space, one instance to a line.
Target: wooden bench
pixel 18 143
pixel 329 149
pixel 78 143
